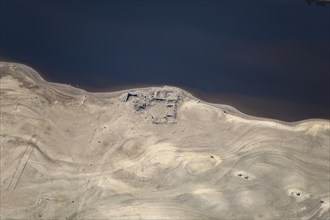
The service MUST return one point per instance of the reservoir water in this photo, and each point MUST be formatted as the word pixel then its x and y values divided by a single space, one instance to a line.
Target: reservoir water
pixel 268 59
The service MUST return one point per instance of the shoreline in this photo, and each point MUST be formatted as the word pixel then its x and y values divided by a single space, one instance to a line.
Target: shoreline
pixel 158 144
pixel 224 100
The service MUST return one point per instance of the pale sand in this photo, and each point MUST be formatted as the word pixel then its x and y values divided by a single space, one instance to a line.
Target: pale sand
pixel 162 154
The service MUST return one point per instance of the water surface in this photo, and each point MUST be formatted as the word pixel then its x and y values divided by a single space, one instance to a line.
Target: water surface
pixel 266 58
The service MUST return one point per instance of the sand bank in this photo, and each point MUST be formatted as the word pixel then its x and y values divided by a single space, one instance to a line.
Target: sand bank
pixel 152 153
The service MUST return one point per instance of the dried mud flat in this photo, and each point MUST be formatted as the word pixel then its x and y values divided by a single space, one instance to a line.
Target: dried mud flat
pixel 152 153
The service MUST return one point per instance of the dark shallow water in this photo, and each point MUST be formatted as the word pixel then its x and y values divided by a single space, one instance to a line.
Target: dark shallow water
pixel 268 59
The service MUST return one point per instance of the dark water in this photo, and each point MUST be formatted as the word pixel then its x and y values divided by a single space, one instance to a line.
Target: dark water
pixel 267 58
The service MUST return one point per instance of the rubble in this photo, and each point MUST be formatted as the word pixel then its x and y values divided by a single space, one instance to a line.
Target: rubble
pixel 160 103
